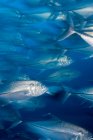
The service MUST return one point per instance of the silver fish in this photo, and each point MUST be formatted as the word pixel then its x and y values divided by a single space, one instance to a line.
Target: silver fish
pixel 64 61
pixel 85 12
pixel 54 127
pixel 88 39
pixel 72 30
pixel 62 75
pixel 21 90
pixel 86 93
pixel 49 62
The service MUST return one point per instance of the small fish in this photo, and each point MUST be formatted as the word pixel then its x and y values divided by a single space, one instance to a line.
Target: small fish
pixel 61 75
pixel 64 61
pixel 52 62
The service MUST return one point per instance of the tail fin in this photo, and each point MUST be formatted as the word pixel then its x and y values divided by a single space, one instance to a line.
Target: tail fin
pixel 70 30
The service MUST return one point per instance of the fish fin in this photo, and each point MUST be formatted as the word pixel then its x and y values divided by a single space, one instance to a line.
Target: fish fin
pixel 71 29
pixel 15 124
pixel 66 97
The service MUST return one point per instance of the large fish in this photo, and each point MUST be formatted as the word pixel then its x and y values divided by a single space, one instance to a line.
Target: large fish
pixel 24 90
pixel 82 31
pixel 85 12
pixel 21 90
pixel 82 53
pixel 85 93
pixel 56 129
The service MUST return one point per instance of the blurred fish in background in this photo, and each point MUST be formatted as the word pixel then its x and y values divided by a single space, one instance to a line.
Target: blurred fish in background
pixel 54 128
pixel 46 60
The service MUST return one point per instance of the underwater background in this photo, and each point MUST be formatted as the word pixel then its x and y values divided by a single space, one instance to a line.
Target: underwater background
pixel 46 69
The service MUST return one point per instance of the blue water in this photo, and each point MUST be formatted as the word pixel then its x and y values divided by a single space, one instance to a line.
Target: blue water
pixel 46 69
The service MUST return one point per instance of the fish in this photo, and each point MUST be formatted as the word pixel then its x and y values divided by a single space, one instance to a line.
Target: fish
pixel 84 93
pixel 62 75
pixel 85 12
pixel 46 62
pixel 22 90
pixel 54 128
pixel 72 30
